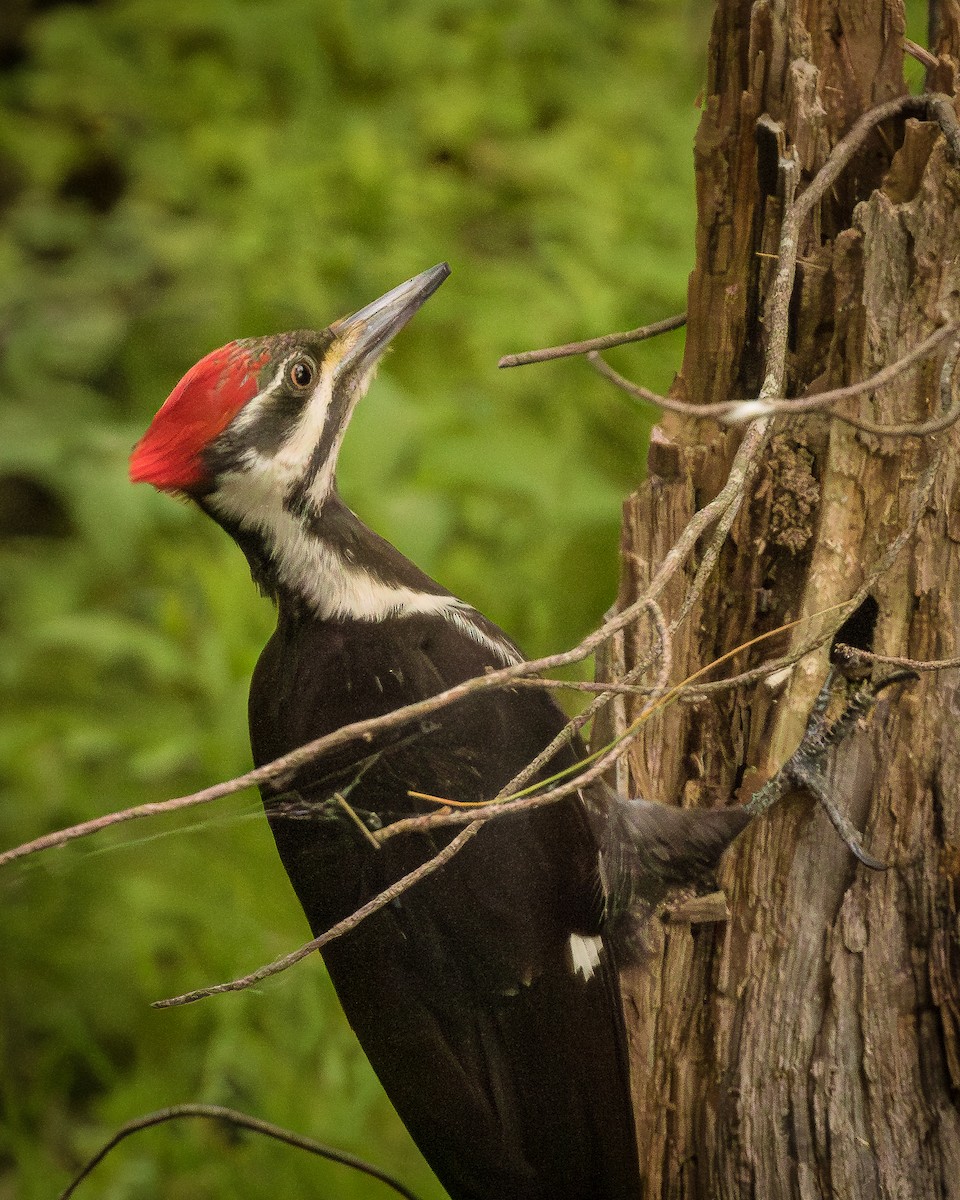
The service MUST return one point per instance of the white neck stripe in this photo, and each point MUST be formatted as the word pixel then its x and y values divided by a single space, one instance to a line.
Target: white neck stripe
pixel 331 587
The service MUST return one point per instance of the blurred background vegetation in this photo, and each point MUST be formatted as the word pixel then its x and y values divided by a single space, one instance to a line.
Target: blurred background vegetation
pixel 177 174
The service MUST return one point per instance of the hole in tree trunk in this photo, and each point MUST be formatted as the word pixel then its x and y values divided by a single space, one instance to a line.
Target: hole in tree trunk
pixel 858 629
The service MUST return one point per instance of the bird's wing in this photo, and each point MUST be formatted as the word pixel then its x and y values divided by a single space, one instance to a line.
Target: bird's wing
pixel 483 996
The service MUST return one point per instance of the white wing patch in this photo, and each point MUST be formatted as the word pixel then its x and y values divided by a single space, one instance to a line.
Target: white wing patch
pixel 583 954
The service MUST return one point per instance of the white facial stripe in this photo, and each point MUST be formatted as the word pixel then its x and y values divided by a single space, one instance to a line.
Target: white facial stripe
pixel 322 484
pixel 254 497
pixel 583 954
pixel 252 410
pixel 292 459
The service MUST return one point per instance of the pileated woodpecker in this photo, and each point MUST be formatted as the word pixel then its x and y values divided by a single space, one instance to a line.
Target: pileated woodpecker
pixel 487 996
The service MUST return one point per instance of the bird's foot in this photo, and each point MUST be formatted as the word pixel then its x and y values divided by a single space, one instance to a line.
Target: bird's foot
pixel 842 702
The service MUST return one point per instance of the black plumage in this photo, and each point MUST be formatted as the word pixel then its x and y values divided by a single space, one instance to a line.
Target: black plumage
pixel 487 995
pixel 508 1067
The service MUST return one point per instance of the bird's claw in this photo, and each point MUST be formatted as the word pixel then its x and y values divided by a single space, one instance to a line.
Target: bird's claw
pixel 805 769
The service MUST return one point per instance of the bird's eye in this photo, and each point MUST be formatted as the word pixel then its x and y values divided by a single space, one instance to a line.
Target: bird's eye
pixel 301 373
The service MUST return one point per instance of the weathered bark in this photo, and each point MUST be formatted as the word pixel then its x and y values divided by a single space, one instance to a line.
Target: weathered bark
pixel 810 1045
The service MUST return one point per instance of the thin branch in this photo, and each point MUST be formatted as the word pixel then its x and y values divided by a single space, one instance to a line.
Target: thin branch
pixel 777 313
pixel 823 400
pixel 638 392
pixel 381 900
pixel 932 105
pixel 242 1121
pixel 948 416
pixel 364 730
pixel 704 691
pixel 585 685
pixel 665 643
pixel 920 53
pixel 743 466
pixel 605 342
pixel 345 805
pixel 740 411
pixel 854 654
pixel 477 820
pixel 705 567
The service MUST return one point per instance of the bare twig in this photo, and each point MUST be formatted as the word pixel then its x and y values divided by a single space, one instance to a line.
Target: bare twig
pixel 665 646
pixel 605 342
pixel 381 900
pixel 637 392
pixel 920 53
pixel 824 400
pixel 947 417
pixel 854 654
pixel 365 730
pixel 931 105
pixel 242 1121
pixel 741 411
pixel 344 804
pixel 585 685
pixel 705 567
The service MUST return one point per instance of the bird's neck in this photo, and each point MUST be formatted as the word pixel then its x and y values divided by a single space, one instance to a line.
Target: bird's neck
pixel 323 561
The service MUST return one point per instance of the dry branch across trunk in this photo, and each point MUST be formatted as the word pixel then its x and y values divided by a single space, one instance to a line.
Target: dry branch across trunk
pixel 809 1046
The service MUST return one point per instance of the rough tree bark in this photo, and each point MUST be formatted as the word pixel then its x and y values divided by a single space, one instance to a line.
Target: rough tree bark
pixel 809 1046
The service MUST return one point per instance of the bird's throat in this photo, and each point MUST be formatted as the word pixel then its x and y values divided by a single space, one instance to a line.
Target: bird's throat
pixel 325 559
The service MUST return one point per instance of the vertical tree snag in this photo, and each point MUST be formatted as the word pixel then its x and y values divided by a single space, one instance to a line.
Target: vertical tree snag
pixel 809 1046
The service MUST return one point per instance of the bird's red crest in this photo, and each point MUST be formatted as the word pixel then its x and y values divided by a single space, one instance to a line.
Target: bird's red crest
pixel 199 408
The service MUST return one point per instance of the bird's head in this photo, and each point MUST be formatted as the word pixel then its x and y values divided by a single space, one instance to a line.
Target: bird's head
pixel 260 421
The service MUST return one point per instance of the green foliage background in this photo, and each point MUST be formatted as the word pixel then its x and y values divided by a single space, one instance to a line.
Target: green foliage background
pixel 176 174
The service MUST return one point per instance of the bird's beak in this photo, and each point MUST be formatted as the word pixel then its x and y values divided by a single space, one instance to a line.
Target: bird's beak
pixel 366 333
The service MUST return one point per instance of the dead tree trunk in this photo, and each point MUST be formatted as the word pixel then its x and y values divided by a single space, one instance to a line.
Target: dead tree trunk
pixel 809 1046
